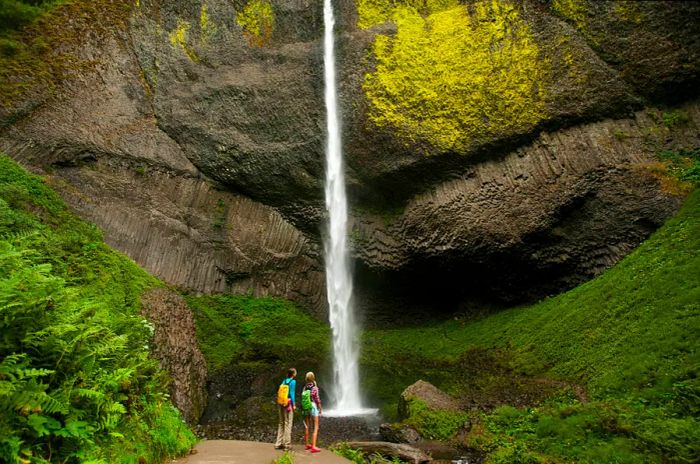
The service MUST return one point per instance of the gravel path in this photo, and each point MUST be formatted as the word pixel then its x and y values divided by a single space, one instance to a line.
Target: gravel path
pixel 253 452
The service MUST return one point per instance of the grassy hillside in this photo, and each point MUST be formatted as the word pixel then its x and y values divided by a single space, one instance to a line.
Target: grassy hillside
pixel 236 328
pixel 76 380
pixel 628 337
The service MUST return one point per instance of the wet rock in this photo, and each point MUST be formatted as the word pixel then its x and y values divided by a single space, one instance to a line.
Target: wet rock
pixel 404 452
pixel 398 433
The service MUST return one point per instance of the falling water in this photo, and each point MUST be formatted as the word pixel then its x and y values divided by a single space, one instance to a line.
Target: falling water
pixel 338 279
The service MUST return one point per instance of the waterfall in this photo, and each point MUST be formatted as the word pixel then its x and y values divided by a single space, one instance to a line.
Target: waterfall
pixel 338 278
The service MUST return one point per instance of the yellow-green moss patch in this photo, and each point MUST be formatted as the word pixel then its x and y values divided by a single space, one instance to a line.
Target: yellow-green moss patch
pixel 456 79
pixel 257 21
pixel 180 38
pixel 373 12
pixel 204 18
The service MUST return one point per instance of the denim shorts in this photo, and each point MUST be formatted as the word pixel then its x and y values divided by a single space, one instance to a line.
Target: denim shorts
pixel 313 412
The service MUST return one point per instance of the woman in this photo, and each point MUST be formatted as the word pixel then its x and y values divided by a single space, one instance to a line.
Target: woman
pixel 311 407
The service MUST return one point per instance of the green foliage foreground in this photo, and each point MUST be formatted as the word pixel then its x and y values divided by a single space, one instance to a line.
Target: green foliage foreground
pixel 76 380
pixel 629 337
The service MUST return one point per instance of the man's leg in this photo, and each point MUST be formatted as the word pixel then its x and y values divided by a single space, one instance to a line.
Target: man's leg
pixel 280 427
pixel 288 428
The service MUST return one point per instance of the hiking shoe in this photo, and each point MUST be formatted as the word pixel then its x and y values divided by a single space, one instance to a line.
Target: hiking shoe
pixel 315 450
pixel 308 447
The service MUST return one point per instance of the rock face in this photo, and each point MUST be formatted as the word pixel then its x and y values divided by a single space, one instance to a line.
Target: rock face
pixel 505 166
pixel 175 346
pixel 546 216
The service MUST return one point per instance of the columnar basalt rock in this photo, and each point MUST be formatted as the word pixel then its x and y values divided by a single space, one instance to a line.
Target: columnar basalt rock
pixel 194 236
pixel 543 217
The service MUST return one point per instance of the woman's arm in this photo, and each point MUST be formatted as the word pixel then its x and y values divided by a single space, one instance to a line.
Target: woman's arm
pixel 316 398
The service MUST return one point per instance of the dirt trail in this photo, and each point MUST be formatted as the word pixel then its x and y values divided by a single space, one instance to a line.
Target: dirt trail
pixel 253 452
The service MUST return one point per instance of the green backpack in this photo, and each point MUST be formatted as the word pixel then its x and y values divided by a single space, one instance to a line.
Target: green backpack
pixel 306 403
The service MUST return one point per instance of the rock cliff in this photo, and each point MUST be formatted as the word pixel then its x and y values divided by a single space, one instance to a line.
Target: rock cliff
pixel 175 346
pixel 496 150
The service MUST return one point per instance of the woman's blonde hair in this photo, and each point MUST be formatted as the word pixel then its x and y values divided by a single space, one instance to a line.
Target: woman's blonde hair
pixel 310 378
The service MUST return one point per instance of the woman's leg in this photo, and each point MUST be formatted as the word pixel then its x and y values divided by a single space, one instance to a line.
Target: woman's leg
pixel 313 443
pixel 306 429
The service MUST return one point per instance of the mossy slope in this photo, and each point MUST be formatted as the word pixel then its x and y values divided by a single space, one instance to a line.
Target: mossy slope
pixel 629 336
pixel 237 328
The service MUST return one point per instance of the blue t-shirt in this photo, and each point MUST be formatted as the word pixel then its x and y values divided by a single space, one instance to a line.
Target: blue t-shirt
pixel 292 389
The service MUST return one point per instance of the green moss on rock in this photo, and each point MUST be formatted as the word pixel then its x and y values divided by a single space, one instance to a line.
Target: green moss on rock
pixel 456 77
pixel 434 423
pixel 374 12
pixel 46 51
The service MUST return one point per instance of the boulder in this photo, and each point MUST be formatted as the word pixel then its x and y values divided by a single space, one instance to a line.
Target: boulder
pixel 404 452
pixel 426 393
pixel 398 433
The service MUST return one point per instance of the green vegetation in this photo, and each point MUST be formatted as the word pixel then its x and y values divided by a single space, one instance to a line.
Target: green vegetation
pixel 234 328
pixel 16 14
pixel 287 458
pixel 434 424
pixel 76 380
pixel 629 337
pixel 358 457
pixel 454 79
pixel 374 12
pixel 257 21
pixel 675 118
pixel 204 18
pixel 683 164
pixel 40 42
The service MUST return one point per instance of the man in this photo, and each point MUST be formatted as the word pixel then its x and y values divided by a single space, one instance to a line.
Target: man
pixel 286 411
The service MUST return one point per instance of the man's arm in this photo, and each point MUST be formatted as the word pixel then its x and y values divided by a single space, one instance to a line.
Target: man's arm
pixel 292 392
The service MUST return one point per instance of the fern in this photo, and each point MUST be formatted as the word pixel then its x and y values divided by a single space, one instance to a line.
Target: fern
pixel 76 380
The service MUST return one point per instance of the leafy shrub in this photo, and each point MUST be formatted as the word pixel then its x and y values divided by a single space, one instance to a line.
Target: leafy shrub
pixel 257 19
pixel 287 458
pixel 433 423
pixel 514 454
pixel 675 118
pixel 15 14
pixel 683 164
